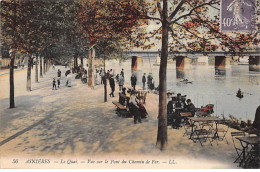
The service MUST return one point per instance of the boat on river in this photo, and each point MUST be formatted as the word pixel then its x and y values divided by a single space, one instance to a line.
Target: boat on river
pixel 186 81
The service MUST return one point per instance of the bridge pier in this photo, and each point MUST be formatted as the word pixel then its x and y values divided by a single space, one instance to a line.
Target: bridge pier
pixel 220 62
pixel 136 63
pixel 181 61
pixel 254 63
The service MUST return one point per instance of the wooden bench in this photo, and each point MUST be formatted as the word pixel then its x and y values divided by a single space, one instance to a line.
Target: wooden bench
pixel 142 96
pixel 185 114
pixel 119 106
pixel 123 99
pixel 122 110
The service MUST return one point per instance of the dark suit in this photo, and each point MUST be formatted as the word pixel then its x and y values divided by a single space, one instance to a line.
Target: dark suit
pixel 133 81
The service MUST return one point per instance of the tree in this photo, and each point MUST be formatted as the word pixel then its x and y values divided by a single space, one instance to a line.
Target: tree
pixel 100 19
pixel 192 25
pixel 9 34
pixel 110 47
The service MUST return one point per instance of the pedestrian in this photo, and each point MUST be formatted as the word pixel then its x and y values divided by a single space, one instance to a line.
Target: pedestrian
pixel 96 77
pixel 59 73
pixel 112 72
pixel 134 107
pixel 121 82
pixel 133 81
pixel 58 81
pixel 117 78
pixel 53 66
pixel 112 86
pixel 144 81
pixel 103 76
pixel 101 73
pixel 54 84
pixel 108 74
pixel 69 78
pixel 122 73
pixel 150 83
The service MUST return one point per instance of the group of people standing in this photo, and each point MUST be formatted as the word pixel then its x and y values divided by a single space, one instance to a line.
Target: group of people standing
pixel 148 79
pixel 58 80
pixel 110 76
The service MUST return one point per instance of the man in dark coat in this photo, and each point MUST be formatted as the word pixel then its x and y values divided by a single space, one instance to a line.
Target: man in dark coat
pixel 256 123
pixel 133 81
pixel 122 73
pixel 144 81
pixel 59 73
pixel 112 86
pixel 255 128
pixel 190 107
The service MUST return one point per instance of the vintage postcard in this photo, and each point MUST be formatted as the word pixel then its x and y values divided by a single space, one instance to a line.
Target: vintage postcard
pixel 130 84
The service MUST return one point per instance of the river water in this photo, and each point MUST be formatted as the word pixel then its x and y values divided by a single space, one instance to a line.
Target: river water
pixel 208 85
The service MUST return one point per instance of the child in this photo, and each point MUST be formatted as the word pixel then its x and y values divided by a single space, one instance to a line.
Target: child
pixel 54 84
pixel 58 81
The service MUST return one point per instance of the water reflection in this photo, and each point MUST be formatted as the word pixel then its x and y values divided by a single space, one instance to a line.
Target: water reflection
pixel 180 73
pixel 220 72
pixel 209 85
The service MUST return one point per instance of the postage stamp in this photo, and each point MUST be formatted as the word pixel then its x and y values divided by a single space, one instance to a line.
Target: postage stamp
pixel 238 15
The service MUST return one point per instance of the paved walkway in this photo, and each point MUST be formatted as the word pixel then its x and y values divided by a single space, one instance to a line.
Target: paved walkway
pixel 74 122
pixel 7 71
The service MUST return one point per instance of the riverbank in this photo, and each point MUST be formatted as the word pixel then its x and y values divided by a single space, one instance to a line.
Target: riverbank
pixel 75 123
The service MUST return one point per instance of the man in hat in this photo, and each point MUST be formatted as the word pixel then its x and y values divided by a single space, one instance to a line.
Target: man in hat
pixel 122 73
pixel 144 81
pixel 133 81
pixel 112 86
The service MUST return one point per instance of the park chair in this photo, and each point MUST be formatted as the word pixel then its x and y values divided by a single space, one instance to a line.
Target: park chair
pixel 237 144
pixel 252 159
pixel 188 129
pixel 202 133
pixel 221 131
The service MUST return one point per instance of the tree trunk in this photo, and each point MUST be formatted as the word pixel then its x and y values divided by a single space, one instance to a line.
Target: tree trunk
pixel 90 66
pixel 81 61
pixel 162 116
pixel 44 65
pixel 105 81
pixel 12 80
pixel 28 84
pixel 36 69
pixel 74 64
pixel 81 67
pixel 48 65
pixel 75 61
pixel 41 76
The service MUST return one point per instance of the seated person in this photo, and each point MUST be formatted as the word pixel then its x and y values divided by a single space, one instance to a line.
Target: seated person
pixel 170 107
pixel 190 107
pixel 123 90
pixel 255 128
pixel 173 117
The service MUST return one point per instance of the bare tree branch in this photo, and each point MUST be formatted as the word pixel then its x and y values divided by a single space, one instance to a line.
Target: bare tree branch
pixel 159 9
pixel 194 8
pixel 176 10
